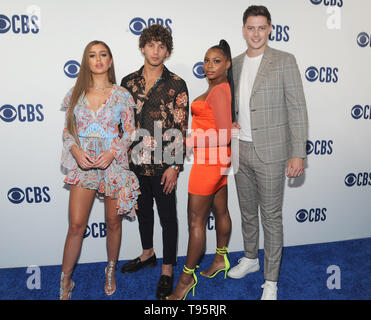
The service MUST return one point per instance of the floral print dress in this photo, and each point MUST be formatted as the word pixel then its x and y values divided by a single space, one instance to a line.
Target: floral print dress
pixel 98 131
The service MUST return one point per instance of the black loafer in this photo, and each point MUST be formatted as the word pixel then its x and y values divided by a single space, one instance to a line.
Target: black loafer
pixel 135 265
pixel 164 287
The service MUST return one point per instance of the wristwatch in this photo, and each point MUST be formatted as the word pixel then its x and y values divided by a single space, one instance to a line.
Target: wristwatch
pixel 176 168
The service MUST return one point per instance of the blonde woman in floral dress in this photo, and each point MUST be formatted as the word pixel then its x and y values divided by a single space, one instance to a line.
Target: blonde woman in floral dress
pixel 95 158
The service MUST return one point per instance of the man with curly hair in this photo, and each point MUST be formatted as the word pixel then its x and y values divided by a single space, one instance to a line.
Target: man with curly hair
pixel 158 150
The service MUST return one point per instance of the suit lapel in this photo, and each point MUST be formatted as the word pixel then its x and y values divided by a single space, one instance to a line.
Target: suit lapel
pixel 237 70
pixel 263 68
pixel 238 66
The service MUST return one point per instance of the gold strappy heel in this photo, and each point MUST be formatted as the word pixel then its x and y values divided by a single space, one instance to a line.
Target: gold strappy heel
pixel 61 291
pixel 111 269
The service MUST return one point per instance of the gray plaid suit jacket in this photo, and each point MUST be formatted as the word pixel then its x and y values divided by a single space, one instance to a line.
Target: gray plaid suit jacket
pixel 279 120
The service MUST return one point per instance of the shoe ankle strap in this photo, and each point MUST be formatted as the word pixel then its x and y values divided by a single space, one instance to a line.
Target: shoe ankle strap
pixel 222 251
pixel 189 271
pixel 112 263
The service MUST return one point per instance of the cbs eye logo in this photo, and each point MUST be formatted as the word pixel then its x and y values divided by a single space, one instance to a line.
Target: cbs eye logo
pixel 359 112
pixel 363 39
pixel 350 180
pixel 198 70
pixel 23 112
pixel 8 113
pixel 15 195
pixel 71 69
pixel 323 74
pixel 19 24
pixel 5 24
pixel 320 147
pixel 361 179
pixel 137 24
pixel 30 194
pixel 96 230
pixel 332 3
pixel 311 215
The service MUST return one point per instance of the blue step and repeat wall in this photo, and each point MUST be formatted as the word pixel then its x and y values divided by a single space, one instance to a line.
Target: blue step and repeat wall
pixel 41 48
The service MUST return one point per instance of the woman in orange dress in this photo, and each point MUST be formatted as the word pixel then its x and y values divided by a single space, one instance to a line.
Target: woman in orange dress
pixel 207 186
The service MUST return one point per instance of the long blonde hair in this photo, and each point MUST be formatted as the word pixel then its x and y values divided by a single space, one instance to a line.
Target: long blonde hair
pixel 83 82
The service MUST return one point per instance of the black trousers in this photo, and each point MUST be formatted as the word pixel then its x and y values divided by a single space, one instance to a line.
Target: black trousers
pixel 151 188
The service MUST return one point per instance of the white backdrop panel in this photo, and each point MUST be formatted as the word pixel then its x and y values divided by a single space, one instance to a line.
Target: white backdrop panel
pixel 318 207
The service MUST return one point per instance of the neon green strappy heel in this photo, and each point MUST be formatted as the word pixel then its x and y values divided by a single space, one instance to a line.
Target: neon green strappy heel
pixel 190 271
pixel 222 252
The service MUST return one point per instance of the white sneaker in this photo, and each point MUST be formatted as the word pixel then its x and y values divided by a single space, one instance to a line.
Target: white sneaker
pixel 270 291
pixel 244 267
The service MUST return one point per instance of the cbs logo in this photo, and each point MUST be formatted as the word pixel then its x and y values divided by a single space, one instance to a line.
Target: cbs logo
pixel 279 33
pixel 96 230
pixel 319 147
pixel 19 24
pixel 311 215
pixel 363 39
pixel 210 222
pixel 30 194
pixel 198 70
pixel 323 74
pixel 359 112
pixel 137 24
pixel 360 179
pixel 71 69
pixel 23 112
pixel 332 3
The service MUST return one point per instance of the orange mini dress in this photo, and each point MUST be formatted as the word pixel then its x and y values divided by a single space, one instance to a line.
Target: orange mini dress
pixel 210 138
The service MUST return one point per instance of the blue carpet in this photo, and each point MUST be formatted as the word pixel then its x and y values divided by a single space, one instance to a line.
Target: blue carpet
pixel 304 276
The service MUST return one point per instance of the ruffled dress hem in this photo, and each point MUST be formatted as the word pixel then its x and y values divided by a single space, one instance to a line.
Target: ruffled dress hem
pixel 126 193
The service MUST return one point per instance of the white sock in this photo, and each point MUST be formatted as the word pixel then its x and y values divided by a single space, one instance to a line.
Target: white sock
pixel 272 283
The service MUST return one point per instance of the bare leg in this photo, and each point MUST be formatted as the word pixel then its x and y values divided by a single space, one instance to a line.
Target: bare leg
pixel 114 233
pixel 80 204
pixel 198 210
pixel 223 228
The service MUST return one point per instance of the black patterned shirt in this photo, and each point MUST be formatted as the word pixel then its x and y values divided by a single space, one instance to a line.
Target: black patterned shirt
pixel 161 122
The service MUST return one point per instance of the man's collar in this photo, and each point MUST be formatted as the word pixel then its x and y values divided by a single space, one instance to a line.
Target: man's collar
pixel 165 72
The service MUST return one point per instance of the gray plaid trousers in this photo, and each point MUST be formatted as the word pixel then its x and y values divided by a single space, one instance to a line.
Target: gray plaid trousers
pixel 260 186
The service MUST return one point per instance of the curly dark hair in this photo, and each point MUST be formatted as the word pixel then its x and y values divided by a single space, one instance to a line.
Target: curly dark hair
pixel 156 32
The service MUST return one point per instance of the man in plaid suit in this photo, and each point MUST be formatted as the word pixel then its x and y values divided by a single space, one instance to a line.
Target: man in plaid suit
pixel 272 118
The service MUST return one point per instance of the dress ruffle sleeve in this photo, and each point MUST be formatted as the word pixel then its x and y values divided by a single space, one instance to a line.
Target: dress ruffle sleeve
pixel 123 185
pixel 119 146
pixel 125 188
pixel 67 160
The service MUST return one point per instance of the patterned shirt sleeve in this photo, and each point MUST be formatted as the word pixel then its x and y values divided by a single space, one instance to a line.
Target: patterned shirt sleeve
pixel 180 114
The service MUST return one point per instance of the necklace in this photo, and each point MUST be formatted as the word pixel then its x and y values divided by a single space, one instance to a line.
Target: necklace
pixel 102 88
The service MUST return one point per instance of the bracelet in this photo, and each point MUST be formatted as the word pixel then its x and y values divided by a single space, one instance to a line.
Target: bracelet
pixel 176 168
